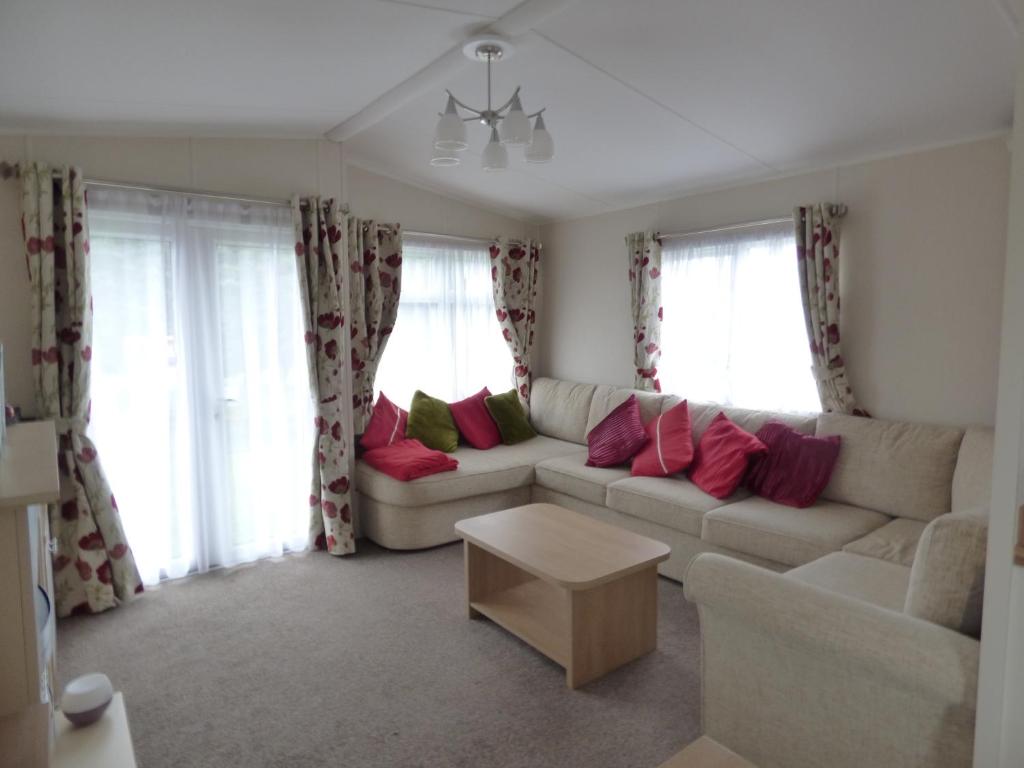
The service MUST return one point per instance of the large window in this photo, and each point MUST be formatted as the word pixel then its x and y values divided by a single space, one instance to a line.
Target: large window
pixel 201 406
pixel 446 341
pixel 733 330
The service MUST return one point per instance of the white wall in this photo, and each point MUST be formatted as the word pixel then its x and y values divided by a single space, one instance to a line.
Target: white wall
pixel 922 270
pixel 246 167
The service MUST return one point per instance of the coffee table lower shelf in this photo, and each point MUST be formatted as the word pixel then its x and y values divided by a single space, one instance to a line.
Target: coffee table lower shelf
pixel 588 631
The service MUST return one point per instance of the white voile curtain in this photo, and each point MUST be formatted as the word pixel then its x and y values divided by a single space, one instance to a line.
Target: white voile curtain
pixel 447 340
pixel 733 329
pixel 200 387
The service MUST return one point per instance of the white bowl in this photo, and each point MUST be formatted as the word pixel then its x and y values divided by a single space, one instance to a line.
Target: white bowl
pixel 86 697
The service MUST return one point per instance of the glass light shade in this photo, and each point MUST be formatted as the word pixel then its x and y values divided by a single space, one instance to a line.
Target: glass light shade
pixel 515 127
pixel 541 148
pixel 444 157
pixel 495 156
pixel 450 133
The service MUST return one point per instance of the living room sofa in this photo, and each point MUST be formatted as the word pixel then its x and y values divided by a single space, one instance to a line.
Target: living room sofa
pixel 891 479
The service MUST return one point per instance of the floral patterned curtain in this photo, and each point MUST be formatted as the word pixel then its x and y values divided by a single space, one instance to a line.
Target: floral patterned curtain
pixel 375 260
pixel 644 252
pixel 817 251
pixel 515 273
pixel 320 250
pixel 93 567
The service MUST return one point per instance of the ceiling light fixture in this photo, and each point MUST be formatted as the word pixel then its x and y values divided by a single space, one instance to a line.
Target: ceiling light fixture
pixel 509 124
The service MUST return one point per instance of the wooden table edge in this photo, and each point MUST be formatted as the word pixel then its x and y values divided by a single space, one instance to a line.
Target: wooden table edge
pixel 573 586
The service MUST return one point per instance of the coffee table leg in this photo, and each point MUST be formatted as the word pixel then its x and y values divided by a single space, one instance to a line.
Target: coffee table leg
pixel 612 624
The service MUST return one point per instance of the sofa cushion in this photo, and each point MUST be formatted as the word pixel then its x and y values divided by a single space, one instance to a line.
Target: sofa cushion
pixel 499 469
pixel 895 541
pixel 947 580
pixel 386 426
pixel 901 469
pixel 560 408
pixel 571 475
pixel 787 535
pixel 607 399
pixel 972 478
pixel 796 467
pixel 701 415
pixel 475 423
pixel 865 578
pixel 673 502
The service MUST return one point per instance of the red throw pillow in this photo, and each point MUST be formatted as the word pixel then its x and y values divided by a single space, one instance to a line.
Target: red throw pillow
pixel 386 424
pixel 796 468
pixel 722 457
pixel 409 459
pixel 474 421
pixel 618 437
pixel 670 444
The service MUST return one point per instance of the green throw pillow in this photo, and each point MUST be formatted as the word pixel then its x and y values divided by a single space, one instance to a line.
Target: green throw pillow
pixel 508 414
pixel 431 423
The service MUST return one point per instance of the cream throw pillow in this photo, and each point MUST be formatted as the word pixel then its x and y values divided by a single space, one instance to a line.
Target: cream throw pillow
pixel 947 579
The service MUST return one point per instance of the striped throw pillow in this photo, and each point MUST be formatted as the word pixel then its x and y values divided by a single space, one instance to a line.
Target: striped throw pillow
pixel 618 437
pixel 386 425
pixel 670 448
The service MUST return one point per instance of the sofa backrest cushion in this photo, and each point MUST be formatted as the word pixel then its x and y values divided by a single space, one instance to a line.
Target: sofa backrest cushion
pixel 702 414
pixel 901 469
pixel 947 579
pixel 972 478
pixel 560 409
pixel 608 398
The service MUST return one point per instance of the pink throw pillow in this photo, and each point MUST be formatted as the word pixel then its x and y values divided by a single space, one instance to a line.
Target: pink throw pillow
pixel 670 444
pixel 796 468
pixel 722 457
pixel 386 425
pixel 618 437
pixel 474 421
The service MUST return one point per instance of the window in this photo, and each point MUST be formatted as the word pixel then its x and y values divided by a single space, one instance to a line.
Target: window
pixel 201 404
pixel 733 329
pixel 447 340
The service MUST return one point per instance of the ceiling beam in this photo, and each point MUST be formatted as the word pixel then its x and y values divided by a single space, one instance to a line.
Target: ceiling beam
pixel 517 22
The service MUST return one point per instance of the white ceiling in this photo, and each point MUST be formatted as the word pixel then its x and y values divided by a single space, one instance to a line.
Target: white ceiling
pixel 646 98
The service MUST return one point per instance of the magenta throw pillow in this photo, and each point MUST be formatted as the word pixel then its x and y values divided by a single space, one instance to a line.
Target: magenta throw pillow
pixel 386 425
pixel 796 468
pixel 474 421
pixel 722 457
pixel 618 437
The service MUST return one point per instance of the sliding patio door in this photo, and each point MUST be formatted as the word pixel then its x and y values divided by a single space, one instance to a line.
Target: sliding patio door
pixel 200 390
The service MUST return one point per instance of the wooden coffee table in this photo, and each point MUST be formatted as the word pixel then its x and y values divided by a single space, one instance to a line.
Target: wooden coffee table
pixel 582 592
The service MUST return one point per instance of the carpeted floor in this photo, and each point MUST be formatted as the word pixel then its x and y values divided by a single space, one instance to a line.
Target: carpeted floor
pixel 368 662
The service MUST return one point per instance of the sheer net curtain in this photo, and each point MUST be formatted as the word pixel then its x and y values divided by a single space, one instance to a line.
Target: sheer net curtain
pixel 733 330
pixel 200 388
pixel 447 340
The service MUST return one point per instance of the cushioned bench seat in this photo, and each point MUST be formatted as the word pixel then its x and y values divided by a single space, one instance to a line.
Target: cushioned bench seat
pixel 571 475
pixel 788 535
pixel 673 502
pixel 479 472
pixel 895 541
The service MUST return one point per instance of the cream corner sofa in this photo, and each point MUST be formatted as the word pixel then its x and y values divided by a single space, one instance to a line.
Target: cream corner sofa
pixel 891 479
pixel 809 659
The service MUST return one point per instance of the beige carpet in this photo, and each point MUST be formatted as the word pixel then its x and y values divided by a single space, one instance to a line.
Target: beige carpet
pixel 371 661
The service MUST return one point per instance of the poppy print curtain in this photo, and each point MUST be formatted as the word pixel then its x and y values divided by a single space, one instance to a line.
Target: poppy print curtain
pixel 93 567
pixel 817 252
pixel 515 273
pixel 644 252
pixel 320 254
pixel 375 263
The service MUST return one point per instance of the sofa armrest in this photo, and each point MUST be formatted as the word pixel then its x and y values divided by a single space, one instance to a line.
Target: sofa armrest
pixel 794 675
